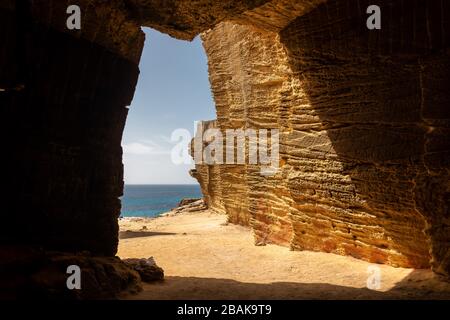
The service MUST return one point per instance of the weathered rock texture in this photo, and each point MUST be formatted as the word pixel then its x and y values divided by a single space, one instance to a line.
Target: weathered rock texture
pixel 184 19
pixel 146 268
pixel 364 117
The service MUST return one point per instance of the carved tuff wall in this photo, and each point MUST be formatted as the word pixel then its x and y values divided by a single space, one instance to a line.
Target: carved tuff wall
pixel 364 124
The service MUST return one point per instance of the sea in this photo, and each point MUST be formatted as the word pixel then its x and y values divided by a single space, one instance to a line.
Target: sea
pixel 152 200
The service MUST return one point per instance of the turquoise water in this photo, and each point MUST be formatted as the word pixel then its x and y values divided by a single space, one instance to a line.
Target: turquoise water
pixel 152 200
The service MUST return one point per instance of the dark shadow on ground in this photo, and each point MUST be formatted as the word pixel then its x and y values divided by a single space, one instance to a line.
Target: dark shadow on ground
pixel 420 284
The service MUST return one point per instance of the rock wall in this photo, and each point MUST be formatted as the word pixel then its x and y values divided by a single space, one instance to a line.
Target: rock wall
pixel 364 122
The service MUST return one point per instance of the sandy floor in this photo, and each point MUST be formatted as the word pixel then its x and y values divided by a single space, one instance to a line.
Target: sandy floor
pixel 205 258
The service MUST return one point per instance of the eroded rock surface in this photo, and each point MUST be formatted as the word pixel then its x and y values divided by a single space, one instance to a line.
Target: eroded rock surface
pixel 364 125
pixel 28 272
pixel 186 206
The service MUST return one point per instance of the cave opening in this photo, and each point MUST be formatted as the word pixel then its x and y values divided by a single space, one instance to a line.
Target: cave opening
pixel 172 93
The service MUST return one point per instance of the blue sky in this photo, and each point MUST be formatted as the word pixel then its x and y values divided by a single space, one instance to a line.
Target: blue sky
pixel 173 91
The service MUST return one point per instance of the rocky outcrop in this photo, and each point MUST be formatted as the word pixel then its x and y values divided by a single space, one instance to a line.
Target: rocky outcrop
pixel 364 132
pixel 187 201
pixel 186 206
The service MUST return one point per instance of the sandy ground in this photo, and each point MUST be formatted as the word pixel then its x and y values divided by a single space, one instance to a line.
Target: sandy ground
pixel 203 257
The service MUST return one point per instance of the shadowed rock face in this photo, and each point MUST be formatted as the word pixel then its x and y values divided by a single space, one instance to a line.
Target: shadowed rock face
pixel 64 112
pixel 365 125
pixel 363 116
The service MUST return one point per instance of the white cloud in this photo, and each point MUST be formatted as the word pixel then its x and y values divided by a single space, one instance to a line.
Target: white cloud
pixel 143 147
pixel 149 161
